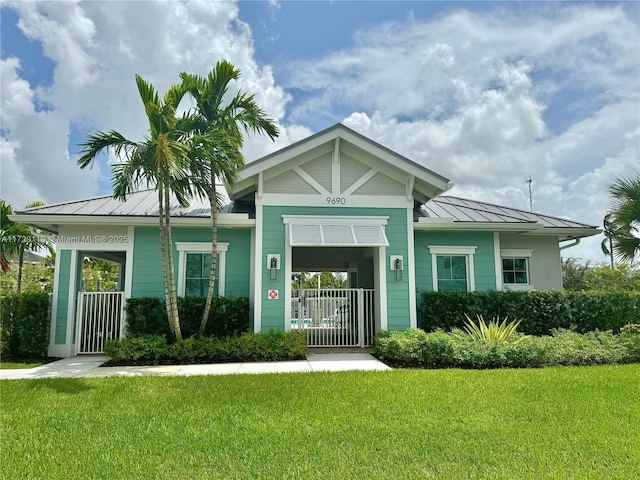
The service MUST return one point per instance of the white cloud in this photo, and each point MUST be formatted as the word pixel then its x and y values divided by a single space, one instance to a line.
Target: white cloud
pixel 97 48
pixel 35 161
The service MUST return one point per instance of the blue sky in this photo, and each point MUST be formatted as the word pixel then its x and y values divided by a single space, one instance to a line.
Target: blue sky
pixel 485 93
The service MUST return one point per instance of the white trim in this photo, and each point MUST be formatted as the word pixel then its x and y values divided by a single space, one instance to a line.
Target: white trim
pixel 201 248
pixel 411 271
pixel 252 274
pixel 335 168
pixel 360 182
pixel 497 255
pixel 467 251
pixel 313 183
pixel 317 200
pixel 380 271
pixel 257 265
pixel 451 250
pixel 334 220
pixel 128 276
pixel 516 253
pixel 288 267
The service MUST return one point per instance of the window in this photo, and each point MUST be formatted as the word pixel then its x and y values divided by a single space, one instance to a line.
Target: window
pixel 452 273
pixel 452 268
pixel 197 274
pixel 195 267
pixel 514 270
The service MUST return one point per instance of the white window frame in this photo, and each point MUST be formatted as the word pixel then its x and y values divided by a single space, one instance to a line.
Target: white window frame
pixel 201 248
pixel 516 253
pixel 457 251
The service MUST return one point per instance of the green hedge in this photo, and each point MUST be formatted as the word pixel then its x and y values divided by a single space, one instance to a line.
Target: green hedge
pixel 415 348
pixel 25 324
pixel 539 312
pixel 229 316
pixel 250 347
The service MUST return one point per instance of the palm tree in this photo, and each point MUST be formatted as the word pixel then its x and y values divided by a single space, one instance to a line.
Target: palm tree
pixel 161 161
pixel 17 239
pixel 625 217
pixel 216 153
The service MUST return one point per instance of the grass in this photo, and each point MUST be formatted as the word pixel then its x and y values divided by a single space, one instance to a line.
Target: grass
pixel 565 423
pixel 14 364
pixel 17 365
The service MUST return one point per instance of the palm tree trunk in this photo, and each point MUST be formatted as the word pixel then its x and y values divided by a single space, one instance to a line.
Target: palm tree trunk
pixel 171 270
pixel 163 258
pixel 20 263
pixel 214 255
pixel 611 252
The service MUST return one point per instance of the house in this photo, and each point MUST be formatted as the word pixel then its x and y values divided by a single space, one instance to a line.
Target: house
pixel 336 201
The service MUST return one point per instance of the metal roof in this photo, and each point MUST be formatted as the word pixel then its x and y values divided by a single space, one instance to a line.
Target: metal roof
pixel 464 210
pixel 145 204
pixel 139 204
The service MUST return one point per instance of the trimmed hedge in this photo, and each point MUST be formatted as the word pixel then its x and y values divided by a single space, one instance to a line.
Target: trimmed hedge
pixel 25 324
pixel 229 316
pixel 415 348
pixel 250 347
pixel 540 312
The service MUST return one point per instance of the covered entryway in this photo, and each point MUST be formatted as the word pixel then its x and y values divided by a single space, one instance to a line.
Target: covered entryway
pixel 99 311
pixel 342 317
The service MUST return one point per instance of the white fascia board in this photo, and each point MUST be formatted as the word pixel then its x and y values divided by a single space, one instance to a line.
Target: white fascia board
pixel 450 224
pixel 567 233
pixel 224 220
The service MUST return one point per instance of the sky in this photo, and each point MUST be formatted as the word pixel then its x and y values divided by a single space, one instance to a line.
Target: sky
pixel 488 94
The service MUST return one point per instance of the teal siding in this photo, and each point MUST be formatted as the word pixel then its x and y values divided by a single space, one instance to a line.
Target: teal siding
pixel 147 268
pixel 483 260
pixel 274 242
pixel 62 308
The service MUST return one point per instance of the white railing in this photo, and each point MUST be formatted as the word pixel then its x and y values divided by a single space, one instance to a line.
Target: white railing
pixel 341 317
pixel 99 318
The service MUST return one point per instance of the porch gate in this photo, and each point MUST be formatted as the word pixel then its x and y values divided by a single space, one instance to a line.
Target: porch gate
pixel 99 318
pixel 341 317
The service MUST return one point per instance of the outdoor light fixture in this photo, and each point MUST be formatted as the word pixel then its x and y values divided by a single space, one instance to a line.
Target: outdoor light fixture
pixel 273 264
pixel 397 264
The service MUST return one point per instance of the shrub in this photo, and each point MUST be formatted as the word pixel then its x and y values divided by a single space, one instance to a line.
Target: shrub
pixel 153 350
pixel 630 336
pixel 402 348
pixel 416 349
pixel 25 322
pixel 494 333
pixel 147 316
pixel 540 312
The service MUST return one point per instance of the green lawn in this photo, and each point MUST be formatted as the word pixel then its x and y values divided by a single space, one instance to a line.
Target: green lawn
pixel 568 422
pixel 18 365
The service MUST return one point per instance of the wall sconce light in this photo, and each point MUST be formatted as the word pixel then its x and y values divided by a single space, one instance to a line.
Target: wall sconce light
pixel 273 265
pixel 397 264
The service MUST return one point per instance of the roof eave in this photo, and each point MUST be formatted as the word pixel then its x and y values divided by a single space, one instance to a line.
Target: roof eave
pixel 52 222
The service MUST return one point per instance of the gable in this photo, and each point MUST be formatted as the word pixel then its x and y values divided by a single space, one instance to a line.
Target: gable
pixel 337 167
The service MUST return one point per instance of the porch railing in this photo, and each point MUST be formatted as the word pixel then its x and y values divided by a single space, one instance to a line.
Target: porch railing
pixel 342 317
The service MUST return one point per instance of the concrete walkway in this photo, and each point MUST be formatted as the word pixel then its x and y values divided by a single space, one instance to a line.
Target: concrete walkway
pixel 89 366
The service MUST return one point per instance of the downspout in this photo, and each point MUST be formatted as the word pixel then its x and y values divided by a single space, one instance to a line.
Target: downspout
pixel 575 242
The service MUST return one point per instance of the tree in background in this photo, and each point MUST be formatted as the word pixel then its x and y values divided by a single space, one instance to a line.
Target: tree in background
pixel 17 239
pixel 309 280
pixel 216 144
pixel 579 277
pixel 624 219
